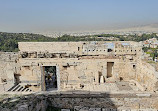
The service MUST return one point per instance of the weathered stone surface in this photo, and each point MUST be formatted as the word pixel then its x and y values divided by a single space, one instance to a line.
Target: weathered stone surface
pixel 65 109
pixel 82 103
pixel 88 66
pixel 86 69
pixel 23 107
pixel 95 109
pixel 108 109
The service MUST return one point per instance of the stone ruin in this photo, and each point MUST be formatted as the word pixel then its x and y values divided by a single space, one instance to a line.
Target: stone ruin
pixel 84 76
pixel 81 102
pixel 85 66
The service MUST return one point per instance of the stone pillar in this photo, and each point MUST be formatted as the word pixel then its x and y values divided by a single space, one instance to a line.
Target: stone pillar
pixel 43 85
pixel 102 79
pixel 104 71
pixel 58 77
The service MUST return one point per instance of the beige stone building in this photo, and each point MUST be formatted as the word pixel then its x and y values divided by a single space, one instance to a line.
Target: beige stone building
pixel 87 66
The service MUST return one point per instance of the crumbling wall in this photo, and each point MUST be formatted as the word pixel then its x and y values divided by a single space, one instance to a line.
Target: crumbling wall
pixel 87 72
pixel 8 67
pixel 147 76
pixel 84 63
pixel 30 76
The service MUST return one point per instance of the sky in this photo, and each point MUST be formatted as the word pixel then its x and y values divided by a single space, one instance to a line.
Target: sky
pixel 70 15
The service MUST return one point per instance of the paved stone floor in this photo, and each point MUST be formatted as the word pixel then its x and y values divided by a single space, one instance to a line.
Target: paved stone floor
pixel 118 87
pixel 124 86
pixel 112 87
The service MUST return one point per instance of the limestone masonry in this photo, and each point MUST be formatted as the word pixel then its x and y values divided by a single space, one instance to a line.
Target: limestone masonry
pixel 86 66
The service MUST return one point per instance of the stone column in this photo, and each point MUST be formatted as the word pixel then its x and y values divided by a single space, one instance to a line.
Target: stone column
pixel 58 77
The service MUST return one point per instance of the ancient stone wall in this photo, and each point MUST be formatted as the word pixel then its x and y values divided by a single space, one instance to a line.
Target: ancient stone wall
pixel 82 64
pixel 147 76
pixel 8 67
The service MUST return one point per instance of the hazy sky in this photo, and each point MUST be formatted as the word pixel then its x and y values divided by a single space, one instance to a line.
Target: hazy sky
pixel 60 15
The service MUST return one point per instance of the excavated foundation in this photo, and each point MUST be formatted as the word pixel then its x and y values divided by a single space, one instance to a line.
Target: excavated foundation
pixel 80 101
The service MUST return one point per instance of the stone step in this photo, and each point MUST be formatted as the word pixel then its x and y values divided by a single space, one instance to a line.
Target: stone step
pixel 19 88
pixel 12 88
pixel 16 88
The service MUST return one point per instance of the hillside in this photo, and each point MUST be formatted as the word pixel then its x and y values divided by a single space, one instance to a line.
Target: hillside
pixel 9 41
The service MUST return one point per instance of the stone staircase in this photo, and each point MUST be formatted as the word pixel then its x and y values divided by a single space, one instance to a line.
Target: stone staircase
pixel 19 88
